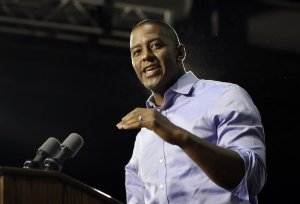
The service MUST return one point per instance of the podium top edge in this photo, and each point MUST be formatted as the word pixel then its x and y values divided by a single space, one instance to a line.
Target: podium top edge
pixel 26 172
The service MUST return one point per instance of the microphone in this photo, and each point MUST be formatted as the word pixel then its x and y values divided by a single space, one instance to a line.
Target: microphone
pixel 48 149
pixel 69 149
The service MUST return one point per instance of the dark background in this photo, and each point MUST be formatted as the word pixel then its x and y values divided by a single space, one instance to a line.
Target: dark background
pixel 51 87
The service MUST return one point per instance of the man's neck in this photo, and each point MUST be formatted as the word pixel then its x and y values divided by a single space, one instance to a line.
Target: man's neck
pixel 159 99
pixel 158 94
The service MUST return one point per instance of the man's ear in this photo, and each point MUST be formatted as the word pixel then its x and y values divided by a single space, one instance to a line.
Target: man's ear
pixel 180 52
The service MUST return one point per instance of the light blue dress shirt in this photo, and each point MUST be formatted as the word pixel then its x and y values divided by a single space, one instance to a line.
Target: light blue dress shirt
pixel 221 113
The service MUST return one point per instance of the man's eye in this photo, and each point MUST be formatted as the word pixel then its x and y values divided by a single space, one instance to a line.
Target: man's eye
pixel 156 45
pixel 136 52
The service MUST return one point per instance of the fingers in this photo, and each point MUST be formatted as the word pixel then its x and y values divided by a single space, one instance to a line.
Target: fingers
pixel 132 120
pixel 129 124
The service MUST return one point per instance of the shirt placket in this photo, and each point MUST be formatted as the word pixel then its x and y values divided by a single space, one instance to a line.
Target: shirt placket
pixel 162 166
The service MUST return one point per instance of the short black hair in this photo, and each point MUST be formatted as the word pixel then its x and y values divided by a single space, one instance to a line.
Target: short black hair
pixel 170 30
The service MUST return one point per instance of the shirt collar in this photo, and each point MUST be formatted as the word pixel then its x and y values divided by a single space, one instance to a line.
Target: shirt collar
pixel 182 86
pixel 185 83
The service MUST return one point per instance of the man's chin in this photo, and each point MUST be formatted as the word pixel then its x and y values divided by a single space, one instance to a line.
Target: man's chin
pixel 151 83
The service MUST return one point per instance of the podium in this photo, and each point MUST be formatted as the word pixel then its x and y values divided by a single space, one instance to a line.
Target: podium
pixel 33 186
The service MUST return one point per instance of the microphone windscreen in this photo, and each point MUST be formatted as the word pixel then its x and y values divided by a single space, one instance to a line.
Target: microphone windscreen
pixel 50 146
pixel 73 142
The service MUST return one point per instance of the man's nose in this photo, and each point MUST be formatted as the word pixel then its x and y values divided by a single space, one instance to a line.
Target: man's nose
pixel 148 55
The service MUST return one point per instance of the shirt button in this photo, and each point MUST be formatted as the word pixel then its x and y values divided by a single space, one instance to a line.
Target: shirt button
pixel 161 185
pixel 161 161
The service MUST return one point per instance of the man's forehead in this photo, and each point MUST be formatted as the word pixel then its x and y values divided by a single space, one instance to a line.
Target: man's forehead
pixel 149 28
pixel 146 32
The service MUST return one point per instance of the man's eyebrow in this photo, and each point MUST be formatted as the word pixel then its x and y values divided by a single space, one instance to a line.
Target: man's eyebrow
pixel 154 39
pixel 138 45
pixel 148 41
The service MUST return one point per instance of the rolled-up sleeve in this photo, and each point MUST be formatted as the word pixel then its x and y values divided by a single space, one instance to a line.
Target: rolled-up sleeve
pixel 239 128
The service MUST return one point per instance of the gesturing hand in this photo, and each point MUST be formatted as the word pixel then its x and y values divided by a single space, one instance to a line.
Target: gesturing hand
pixel 152 120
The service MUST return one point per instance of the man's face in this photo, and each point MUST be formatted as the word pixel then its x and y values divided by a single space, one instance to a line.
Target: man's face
pixel 153 56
